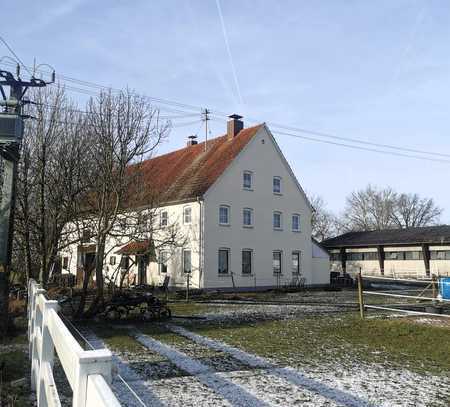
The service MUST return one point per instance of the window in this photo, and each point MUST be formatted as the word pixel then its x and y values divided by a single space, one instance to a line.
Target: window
pixel 224 257
pixel 335 256
pixel 112 260
pixel 164 219
pixel 295 222
pixel 413 255
pixel 394 255
pixel 65 263
pixel 247 180
pixel 86 235
pixel 125 262
pixel 224 215
pixel 354 256
pixel 163 256
pixel 187 215
pixel 247 261
pixel 187 263
pixel 370 256
pixel 277 221
pixel 295 262
pixel 276 262
pixel 247 214
pixel 276 185
pixel 440 254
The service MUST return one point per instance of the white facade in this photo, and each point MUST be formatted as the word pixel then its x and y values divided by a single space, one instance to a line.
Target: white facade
pixel 255 251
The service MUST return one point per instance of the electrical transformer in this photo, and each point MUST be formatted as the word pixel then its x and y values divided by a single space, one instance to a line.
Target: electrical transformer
pixel 11 128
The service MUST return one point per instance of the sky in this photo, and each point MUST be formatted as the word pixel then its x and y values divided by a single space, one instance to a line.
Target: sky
pixel 374 71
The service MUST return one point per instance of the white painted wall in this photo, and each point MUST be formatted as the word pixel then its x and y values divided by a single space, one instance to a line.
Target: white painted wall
pixel 264 160
pixel 188 234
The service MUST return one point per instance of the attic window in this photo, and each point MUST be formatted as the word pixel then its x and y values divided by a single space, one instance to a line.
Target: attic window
pixel 187 215
pixel 247 180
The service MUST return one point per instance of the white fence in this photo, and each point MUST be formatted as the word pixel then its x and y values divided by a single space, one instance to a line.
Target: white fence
pixel 88 372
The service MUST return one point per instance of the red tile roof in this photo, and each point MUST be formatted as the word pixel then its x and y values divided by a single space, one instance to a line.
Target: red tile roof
pixel 141 247
pixel 189 172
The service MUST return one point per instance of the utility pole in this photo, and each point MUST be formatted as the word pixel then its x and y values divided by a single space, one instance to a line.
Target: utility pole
pixel 11 134
pixel 206 118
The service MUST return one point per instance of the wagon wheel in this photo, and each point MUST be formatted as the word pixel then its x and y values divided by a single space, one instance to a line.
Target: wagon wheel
pixel 165 313
pixel 122 311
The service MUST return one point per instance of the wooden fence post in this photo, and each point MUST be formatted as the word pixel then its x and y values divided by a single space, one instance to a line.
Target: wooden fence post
pixel 360 295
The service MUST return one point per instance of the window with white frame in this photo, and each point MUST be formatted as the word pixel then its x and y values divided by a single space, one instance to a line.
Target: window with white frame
pixel 65 263
pixel 276 185
pixel 247 217
pixel 164 218
pixel 224 215
pixel 163 257
pixel 187 215
pixel 224 261
pixel 277 220
pixel 296 222
pixel 112 260
pixel 187 261
pixel 247 180
pixel 276 261
pixel 247 261
pixel 296 256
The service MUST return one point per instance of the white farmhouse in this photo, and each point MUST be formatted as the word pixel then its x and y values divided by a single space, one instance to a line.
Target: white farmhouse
pixel 246 219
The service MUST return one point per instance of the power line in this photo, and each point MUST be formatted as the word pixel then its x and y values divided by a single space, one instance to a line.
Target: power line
pixel 14 54
pixel 220 115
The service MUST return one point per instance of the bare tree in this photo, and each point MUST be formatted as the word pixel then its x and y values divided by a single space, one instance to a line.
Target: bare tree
pixel 123 129
pixel 50 180
pixel 410 210
pixel 323 222
pixel 375 209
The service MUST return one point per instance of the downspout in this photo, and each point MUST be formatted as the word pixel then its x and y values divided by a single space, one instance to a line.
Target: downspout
pixel 200 241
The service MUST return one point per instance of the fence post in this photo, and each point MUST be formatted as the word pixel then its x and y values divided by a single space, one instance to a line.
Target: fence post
pixel 36 291
pixel 47 351
pixel 90 362
pixel 360 294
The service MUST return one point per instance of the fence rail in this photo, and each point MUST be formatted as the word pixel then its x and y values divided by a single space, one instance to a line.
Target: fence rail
pixel 88 372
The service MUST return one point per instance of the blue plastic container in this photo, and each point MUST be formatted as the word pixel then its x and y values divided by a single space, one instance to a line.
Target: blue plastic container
pixel 445 288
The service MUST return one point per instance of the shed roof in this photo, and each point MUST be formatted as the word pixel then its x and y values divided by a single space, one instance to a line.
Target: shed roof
pixel 411 236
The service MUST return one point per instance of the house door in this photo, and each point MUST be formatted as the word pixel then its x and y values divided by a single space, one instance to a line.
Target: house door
pixel 142 269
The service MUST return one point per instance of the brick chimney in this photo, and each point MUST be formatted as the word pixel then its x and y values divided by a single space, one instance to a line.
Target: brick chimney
pixel 192 141
pixel 234 126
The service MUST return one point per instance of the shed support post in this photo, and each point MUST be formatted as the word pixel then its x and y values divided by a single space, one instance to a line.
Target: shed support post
pixel 426 258
pixel 381 257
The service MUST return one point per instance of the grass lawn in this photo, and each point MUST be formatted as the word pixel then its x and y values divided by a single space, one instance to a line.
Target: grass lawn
pixel 14 365
pixel 313 340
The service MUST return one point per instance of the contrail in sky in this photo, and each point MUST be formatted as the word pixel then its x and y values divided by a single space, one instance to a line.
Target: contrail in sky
pixel 225 35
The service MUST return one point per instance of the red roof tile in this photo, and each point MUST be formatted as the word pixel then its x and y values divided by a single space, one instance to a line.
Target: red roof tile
pixel 189 172
pixel 141 247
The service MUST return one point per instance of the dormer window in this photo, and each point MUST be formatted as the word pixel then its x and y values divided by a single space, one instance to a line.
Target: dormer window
pixel 187 215
pixel 276 185
pixel 247 180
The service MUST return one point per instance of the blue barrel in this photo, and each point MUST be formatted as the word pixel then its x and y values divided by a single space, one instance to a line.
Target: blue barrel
pixel 445 288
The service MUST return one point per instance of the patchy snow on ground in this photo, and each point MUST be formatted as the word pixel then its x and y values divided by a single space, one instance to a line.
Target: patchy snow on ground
pixel 352 384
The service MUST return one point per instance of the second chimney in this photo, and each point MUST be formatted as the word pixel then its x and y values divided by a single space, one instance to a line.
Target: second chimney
pixel 192 141
pixel 234 126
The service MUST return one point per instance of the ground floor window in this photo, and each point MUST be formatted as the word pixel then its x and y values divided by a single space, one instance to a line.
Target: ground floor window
pixel 247 261
pixel 65 263
pixel 224 261
pixel 125 262
pixel 276 262
pixel 187 261
pixel 163 262
pixel 296 262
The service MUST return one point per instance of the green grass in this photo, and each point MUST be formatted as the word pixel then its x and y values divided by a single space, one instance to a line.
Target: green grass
pixel 15 366
pixel 317 340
